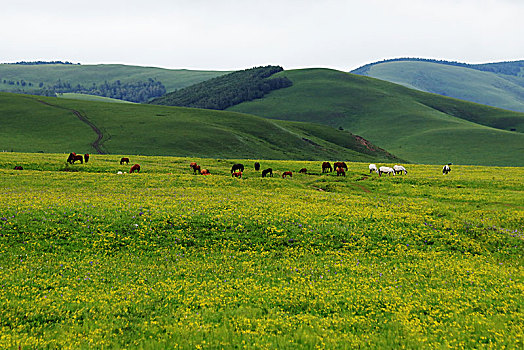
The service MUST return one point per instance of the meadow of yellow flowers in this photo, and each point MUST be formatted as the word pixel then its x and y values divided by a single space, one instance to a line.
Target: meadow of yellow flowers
pixel 167 259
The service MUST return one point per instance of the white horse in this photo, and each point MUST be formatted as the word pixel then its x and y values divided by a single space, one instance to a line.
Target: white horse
pixel 399 169
pixel 373 168
pixel 385 170
pixel 446 169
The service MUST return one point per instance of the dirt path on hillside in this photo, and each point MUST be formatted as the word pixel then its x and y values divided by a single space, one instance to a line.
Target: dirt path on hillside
pixel 97 144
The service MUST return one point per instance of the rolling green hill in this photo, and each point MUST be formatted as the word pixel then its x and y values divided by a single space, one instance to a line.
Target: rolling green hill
pixel 497 84
pixel 34 123
pixel 29 78
pixel 413 125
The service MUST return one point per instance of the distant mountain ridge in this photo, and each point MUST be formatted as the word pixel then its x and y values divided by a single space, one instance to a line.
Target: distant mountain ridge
pixel 499 84
pixel 507 67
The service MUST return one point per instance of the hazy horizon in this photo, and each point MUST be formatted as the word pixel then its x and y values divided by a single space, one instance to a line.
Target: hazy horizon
pixel 233 34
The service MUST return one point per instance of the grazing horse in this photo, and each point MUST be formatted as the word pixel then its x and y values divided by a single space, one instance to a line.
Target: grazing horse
pixel 18 167
pixel 71 157
pixel 257 166
pixel 326 166
pixel 287 173
pixel 385 170
pixel 446 169
pixel 399 169
pixel 78 157
pixel 86 157
pixel 236 167
pixel 373 168
pixel 196 169
pixel 237 174
pixel 267 171
pixel 341 165
pixel 302 171
pixel 204 172
pixel 124 160
pixel 134 168
pixel 340 171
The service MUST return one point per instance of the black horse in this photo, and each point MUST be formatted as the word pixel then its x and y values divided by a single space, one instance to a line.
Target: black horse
pixel 236 167
pixel 267 171
pixel 257 166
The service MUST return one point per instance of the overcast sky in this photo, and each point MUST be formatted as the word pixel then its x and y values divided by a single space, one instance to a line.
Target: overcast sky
pixel 238 34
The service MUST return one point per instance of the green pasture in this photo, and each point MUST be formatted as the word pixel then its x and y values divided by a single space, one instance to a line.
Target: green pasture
pixel 413 125
pixel 49 74
pixel 75 96
pixel 165 259
pixel 33 124
pixel 488 88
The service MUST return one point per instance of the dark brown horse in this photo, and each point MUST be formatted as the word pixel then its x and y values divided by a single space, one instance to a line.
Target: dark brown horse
pixel 86 157
pixel 196 169
pixel 340 165
pixel 124 160
pixel 78 157
pixel 257 166
pixel 326 166
pixel 71 157
pixel 235 167
pixel 266 172
pixel 341 172
pixel 287 173
pixel 134 168
pixel 302 171
pixel 18 167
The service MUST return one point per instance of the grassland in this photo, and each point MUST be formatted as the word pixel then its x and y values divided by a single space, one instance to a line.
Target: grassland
pixel 32 124
pixel 417 126
pixel 49 74
pixel 167 259
pixel 488 88
pixel 75 96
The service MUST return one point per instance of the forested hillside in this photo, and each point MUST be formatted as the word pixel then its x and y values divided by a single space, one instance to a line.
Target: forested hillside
pixel 129 83
pixel 227 90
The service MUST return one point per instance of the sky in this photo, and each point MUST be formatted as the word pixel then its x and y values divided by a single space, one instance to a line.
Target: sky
pixel 239 34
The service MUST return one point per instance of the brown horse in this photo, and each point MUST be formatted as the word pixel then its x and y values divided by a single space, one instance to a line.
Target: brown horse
pixel 124 160
pixel 86 157
pixel 340 171
pixel 134 168
pixel 18 167
pixel 237 174
pixel 257 166
pixel 287 173
pixel 71 157
pixel 267 171
pixel 204 172
pixel 340 165
pixel 196 168
pixel 326 166
pixel 235 167
pixel 78 157
pixel 302 171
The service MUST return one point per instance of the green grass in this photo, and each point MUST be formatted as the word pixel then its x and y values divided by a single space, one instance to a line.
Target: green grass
pixel 165 259
pixel 492 89
pixel 75 96
pixel 417 126
pixel 30 126
pixel 87 74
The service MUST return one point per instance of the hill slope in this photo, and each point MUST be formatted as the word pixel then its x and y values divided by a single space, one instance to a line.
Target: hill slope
pixel 414 125
pixel 495 84
pixel 18 78
pixel 32 124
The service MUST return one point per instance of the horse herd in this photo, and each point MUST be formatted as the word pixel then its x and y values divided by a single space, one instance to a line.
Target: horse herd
pixel 238 169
